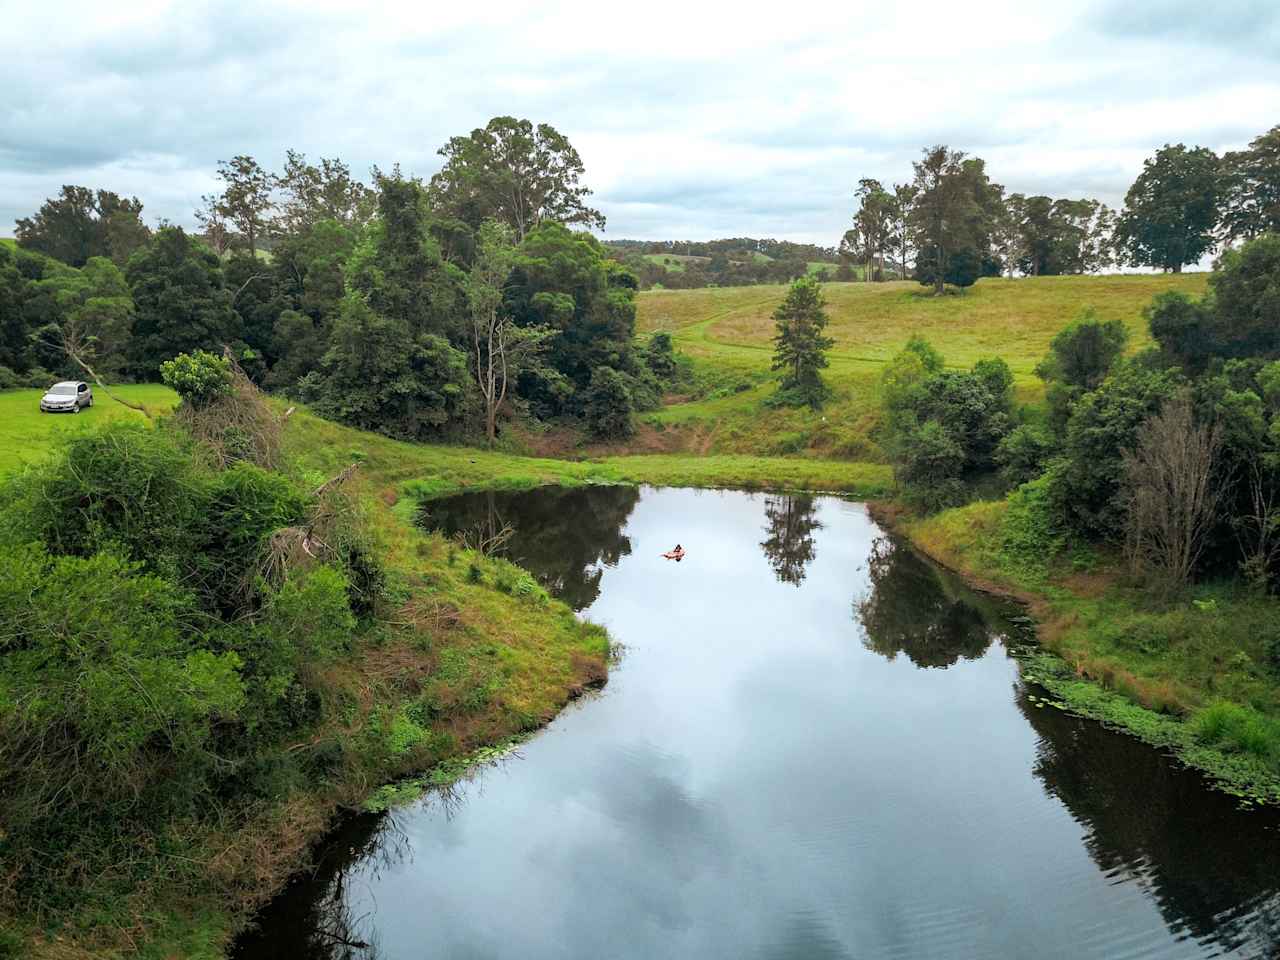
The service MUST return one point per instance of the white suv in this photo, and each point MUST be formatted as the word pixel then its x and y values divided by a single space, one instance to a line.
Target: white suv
pixel 69 396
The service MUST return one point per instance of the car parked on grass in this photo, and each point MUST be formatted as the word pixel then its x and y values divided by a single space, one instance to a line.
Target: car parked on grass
pixel 67 396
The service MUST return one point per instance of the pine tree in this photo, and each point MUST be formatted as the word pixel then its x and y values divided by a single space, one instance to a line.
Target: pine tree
pixel 800 346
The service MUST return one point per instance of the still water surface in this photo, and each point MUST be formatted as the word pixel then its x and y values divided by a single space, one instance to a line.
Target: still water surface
pixel 816 745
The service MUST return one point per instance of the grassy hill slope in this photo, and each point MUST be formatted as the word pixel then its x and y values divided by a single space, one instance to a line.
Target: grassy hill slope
pixel 727 331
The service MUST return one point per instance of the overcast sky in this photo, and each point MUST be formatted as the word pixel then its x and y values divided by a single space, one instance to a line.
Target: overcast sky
pixel 694 120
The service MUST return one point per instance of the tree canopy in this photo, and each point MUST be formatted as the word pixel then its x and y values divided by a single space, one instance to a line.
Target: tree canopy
pixel 81 223
pixel 516 173
pixel 1171 212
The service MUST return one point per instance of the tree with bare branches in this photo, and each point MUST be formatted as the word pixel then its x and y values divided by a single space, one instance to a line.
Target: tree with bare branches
pixel 498 345
pixel 1171 494
pixel 1257 526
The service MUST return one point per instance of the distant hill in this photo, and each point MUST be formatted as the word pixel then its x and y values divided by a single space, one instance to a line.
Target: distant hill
pixel 730 262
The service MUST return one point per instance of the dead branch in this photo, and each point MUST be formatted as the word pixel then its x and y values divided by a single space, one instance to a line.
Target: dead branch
pixel 77 347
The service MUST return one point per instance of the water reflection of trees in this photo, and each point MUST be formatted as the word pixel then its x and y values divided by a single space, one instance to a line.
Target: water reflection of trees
pixel 1212 869
pixel 909 610
pixel 315 918
pixel 790 525
pixel 563 537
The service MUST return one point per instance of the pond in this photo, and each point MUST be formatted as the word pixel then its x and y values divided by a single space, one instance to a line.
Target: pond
pixel 814 745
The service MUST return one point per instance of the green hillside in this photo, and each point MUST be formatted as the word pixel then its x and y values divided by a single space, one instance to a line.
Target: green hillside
pixel 727 332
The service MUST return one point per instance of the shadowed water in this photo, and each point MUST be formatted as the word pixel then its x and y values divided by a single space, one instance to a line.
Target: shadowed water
pixel 816 745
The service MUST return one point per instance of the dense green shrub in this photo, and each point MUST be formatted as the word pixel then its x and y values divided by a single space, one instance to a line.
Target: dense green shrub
pixel 130 488
pixel 199 378
pixel 105 679
pixel 943 426
pixel 160 638
pixel 1029 532
pixel 608 405
pixel 1083 353
pixel 659 356
pixel 1236 318
pixel 646 390
pixel 1104 423
pixel 1271 647
pixel 1023 452
pixel 1080 357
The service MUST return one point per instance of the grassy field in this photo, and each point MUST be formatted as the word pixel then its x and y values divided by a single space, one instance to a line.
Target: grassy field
pixel 436 470
pixel 728 330
pixel 25 432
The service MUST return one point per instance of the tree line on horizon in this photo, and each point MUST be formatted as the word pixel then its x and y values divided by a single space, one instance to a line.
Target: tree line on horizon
pixel 728 262
pixel 951 224
pixel 439 309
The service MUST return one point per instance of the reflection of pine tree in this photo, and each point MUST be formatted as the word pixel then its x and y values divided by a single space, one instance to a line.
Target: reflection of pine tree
pixel 789 547
pixel 908 611
pixel 563 537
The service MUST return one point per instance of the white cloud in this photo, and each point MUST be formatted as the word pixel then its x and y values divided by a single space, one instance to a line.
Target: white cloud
pixel 694 120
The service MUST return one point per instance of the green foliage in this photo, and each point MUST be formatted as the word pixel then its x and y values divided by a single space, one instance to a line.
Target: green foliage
pixel 951 217
pixel 659 356
pixel 511 171
pixel 1029 532
pixel 399 270
pixel 1238 729
pixel 800 346
pixel 1084 352
pixel 126 486
pixel 106 660
pixel 1171 211
pixel 1235 319
pixel 379 376
pixel 148 664
pixel 1251 188
pixel 1244 292
pixel 608 405
pixel 1086 483
pixel 180 300
pixel 312 614
pixel 1023 453
pixel 80 223
pixel 943 426
pixel 198 378
pixel 563 281
pixel 1182 327
pixel 928 463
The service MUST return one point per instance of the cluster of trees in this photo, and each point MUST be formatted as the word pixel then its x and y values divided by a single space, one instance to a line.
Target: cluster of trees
pixel 952 224
pixel 423 310
pixel 1172 454
pixel 732 262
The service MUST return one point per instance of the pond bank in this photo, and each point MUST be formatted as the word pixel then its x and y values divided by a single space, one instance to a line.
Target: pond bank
pixel 1081 625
